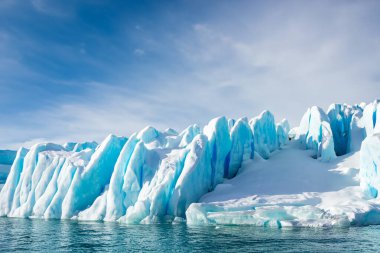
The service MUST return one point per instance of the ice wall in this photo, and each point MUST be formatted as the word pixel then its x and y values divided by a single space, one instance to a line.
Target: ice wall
pixel 315 134
pixel 371 114
pixel 264 131
pixel 370 165
pixel 149 177
pixel 283 129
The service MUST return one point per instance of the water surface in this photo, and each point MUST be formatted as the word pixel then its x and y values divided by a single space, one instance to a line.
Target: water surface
pixel 65 235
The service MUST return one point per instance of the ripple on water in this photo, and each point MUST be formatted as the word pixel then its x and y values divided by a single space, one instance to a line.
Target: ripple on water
pixel 65 235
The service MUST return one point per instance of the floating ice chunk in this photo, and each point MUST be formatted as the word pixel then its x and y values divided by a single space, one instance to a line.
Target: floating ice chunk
pixel 219 143
pixel 264 132
pixel 370 165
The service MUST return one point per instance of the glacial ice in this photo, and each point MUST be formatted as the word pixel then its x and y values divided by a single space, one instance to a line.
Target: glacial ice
pixel 265 135
pixel 239 171
pixel 315 134
pixel 150 176
pixel 242 148
pixel 88 183
pixel 370 115
pixel 369 164
pixel 283 129
pixel 340 119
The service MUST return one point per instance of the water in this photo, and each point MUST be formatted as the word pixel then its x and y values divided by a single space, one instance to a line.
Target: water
pixel 55 235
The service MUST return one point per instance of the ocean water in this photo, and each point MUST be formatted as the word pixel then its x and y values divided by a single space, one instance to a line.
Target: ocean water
pixel 33 235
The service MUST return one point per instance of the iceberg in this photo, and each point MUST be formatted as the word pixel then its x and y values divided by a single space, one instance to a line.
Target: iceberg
pixel 88 183
pixel 219 142
pixel 264 131
pixel 283 129
pixel 289 190
pixel 228 172
pixel 242 147
pixel 142 179
pixel 340 120
pixel 315 134
pixel 369 120
pixel 369 165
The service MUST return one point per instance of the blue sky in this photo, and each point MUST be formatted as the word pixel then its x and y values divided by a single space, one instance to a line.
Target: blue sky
pixel 78 70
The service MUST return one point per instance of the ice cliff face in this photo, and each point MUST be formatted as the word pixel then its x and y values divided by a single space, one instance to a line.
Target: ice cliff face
pixel 337 132
pixel 315 133
pixel 149 177
pixel 343 130
pixel 155 176
pixel 369 153
pixel 370 165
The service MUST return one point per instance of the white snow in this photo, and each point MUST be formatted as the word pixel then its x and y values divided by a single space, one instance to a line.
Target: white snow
pixel 289 189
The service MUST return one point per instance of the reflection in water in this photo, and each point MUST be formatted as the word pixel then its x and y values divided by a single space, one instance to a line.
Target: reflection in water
pixel 66 235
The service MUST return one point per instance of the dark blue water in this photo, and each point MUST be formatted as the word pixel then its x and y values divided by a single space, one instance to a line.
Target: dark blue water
pixel 54 235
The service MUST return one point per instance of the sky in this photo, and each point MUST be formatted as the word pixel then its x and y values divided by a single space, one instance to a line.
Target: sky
pixel 79 70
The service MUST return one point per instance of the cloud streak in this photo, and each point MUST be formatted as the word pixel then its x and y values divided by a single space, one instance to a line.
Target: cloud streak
pixel 223 61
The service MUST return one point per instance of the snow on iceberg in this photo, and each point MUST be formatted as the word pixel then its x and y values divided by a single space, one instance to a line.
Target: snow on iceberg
pixel 289 189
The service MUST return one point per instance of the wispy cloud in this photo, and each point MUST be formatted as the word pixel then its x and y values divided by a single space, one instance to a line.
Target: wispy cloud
pixel 233 61
pixel 53 8
pixel 139 52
